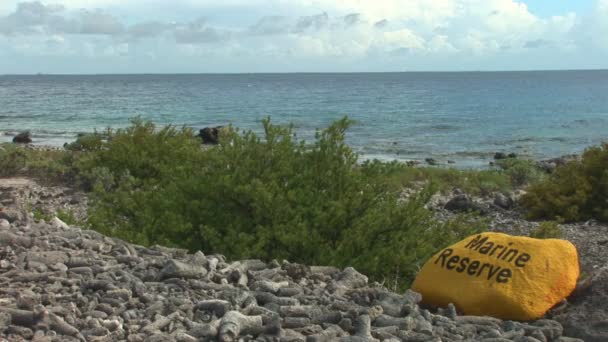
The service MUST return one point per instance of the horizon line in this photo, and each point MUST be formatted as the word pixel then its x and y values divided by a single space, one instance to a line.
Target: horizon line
pixel 299 72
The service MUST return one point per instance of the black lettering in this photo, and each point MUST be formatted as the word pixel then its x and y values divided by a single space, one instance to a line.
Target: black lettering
pixel 473 267
pixel 504 276
pixel 446 253
pixel 486 248
pixel 522 259
pixel 464 262
pixel 504 250
pixel 512 253
pixel 452 262
pixel 476 242
pixel 495 248
pixel 485 264
pixel 493 271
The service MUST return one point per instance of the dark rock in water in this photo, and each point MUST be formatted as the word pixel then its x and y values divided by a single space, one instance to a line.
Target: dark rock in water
pixel 210 135
pixel 512 155
pixel 23 138
pixel 431 161
pixel 451 162
pixel 500 155
pixel 586 316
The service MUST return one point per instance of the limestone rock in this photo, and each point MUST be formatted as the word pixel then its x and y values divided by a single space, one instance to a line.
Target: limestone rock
pixel 56 222
pixel 586 317
pixel 498 275
pixel 178 269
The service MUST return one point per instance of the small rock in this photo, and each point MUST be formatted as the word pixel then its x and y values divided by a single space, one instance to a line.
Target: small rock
pixel 503 201
pixel 57 223
pixel 177 269
pixel 4 224
pixel 23 138
pixel 499 156
pixel 431 161
pixel 460 202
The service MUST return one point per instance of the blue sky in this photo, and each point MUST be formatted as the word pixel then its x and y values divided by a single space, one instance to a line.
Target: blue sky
pixel 137 36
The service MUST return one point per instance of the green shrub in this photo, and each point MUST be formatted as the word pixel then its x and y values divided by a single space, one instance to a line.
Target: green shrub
pixel 45 165
pixel 521 171
pixel 547 230
pixel 68 217
pixel 12 160
pixel 268 197
pixel 574 192
pixel 40 214
pixel 89 142
pixel 477 182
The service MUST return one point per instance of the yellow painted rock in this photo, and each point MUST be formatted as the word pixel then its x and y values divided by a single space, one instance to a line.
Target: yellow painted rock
pixel 499 275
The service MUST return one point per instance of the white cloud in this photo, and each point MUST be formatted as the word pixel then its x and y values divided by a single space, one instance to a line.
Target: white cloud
pixel 441 31
pixel 99 22
pixel 402 39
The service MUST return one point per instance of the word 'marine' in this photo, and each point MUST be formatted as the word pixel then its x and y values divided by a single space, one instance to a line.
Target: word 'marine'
pixel 476 268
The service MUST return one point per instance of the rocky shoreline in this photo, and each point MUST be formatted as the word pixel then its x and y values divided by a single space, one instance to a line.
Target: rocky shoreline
pixel 62 283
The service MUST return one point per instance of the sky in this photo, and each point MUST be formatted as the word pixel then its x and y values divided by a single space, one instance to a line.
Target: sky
pixel 217 36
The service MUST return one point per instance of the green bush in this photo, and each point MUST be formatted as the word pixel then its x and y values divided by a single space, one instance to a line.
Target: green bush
pixel 268 197
pixel 89 142
pixel 547 230
pixel 574 192
pixel 46 165
pixel 478 182
pixel 12 160
pixel 521 171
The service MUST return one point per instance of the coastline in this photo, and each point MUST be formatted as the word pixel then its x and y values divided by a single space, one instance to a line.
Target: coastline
pixel 474 160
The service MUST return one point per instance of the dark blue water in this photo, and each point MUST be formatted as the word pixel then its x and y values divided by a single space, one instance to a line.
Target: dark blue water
pixel 464 117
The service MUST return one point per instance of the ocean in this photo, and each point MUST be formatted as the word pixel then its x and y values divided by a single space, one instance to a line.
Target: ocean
pixel 464 117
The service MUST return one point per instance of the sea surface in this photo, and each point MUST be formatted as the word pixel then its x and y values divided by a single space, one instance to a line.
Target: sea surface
pixel 463 116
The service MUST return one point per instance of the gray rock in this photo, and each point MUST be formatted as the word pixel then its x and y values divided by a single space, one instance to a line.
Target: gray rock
pixel 503 201
pixel 4 224
pixel 460 202
pixel 586 317
pixel 351 278
pixel 178 269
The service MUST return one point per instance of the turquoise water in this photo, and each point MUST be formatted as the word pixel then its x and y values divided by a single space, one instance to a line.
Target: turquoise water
pixel 465 117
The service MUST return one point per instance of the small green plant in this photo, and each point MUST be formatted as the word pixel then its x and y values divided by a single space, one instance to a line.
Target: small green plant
pixel 575 191
pixel 521 171
pixel 40 214
pixel 12 160
pixel 547 230
pixel 67 216
pixel 89 142
pixel 46 165
pixel 477 182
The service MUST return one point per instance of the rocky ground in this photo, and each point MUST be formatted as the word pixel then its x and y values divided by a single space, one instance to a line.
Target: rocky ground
pixel 62 283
